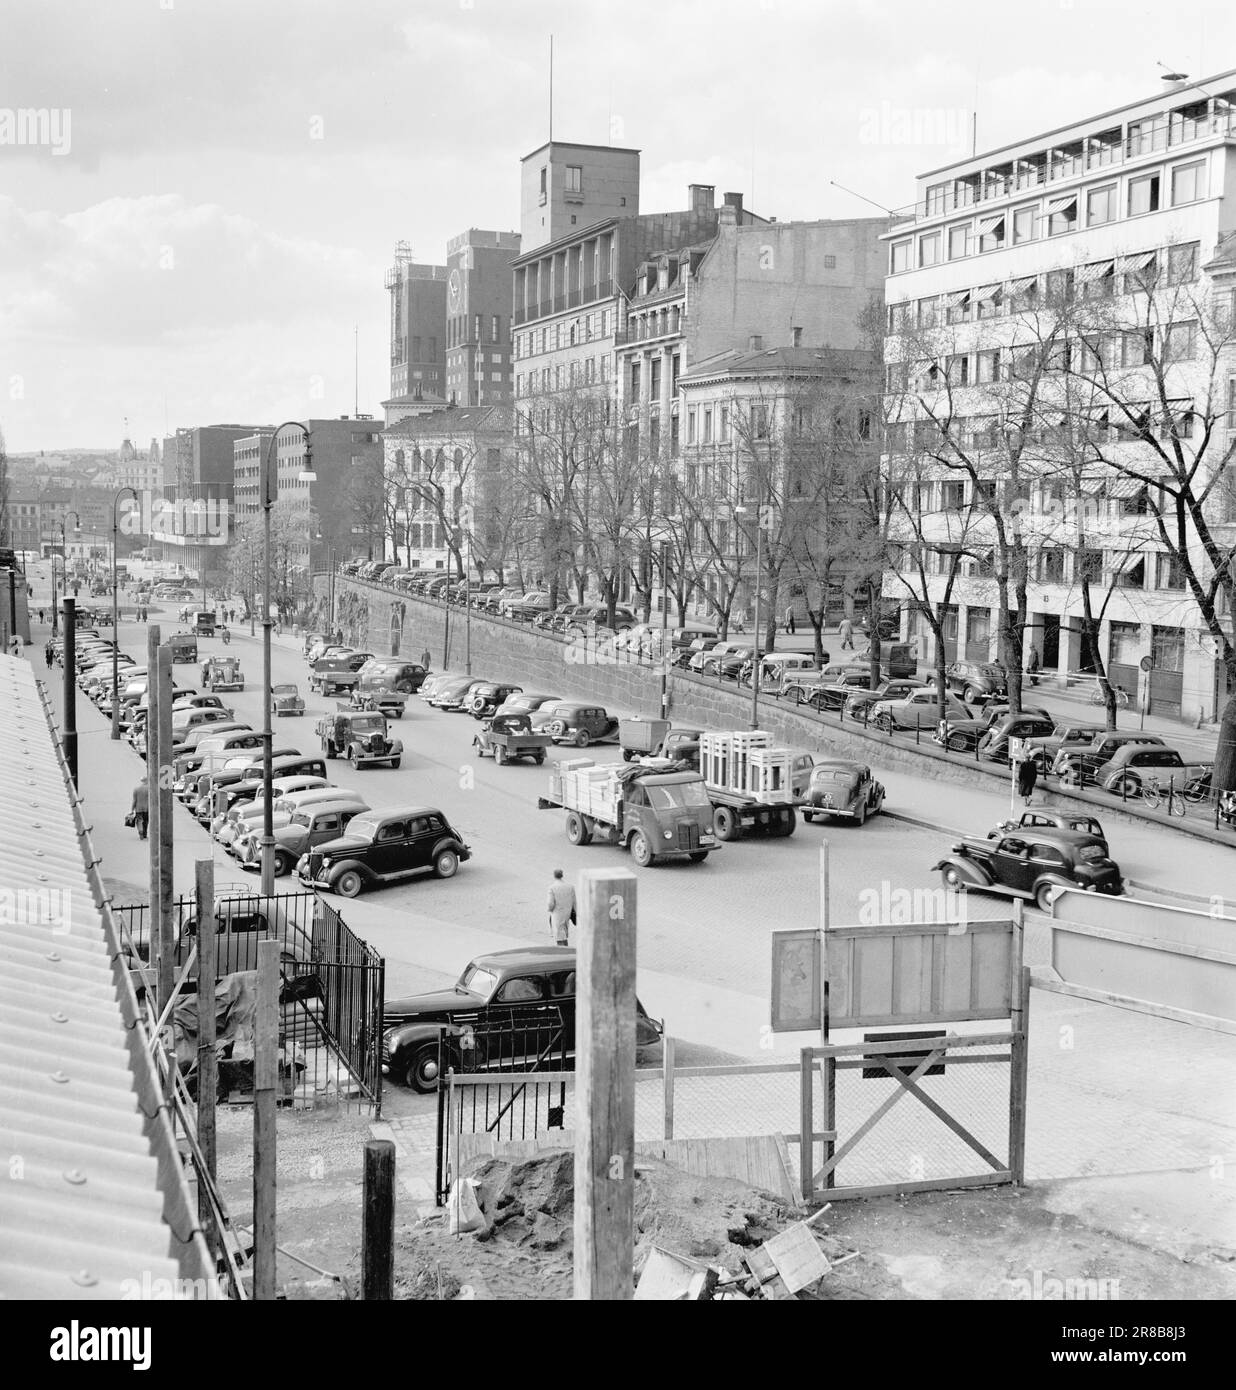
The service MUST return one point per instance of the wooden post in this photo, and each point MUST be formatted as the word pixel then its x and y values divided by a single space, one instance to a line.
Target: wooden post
pixel 378 1222
pixel 69 720
pixel 207 1064
pixel 667 1055
pixel 1019 1056
pixel 605 1086
pixel 806 1124
pixel 161 713
pixel 265 1098
pixel 154 773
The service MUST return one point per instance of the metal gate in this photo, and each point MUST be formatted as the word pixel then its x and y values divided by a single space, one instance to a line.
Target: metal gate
pixel 503 1078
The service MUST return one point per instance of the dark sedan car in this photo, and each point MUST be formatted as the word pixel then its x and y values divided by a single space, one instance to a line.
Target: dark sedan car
pixel 1032 862
pixel 963 735
pixel 489 696
pixel 382 847
pixel 976 680
pixel 509 1009
pixel 859 703
pixel 575 721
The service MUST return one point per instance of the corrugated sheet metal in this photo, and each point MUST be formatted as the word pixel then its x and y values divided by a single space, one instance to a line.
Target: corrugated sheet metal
pixel 93 1200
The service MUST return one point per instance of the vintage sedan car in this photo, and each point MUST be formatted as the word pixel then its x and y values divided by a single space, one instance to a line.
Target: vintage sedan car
pixel 963 735
pixel 361 736
pixel 331 673
pixel 306 827
pixel 196 701
pixel 1034 863
pixel 450 694
pixel 286 699
pixel 508 1009
pixel 381 847
pixel 506 737
pixel 578 722
pixel 1135 766
pixel 1050 818
pixel 526 702
pixel 1064 735
pixel 920 709
pixel 222 673
pixel 485 699
pixel 393 673
pixel 975 681
pixel 995 745
pixel 1076 767
pixel 832 689
pixel 859 703
pixel 843 790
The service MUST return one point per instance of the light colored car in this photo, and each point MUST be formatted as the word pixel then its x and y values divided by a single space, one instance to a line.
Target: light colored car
pixel 1134 768
pixel 920 709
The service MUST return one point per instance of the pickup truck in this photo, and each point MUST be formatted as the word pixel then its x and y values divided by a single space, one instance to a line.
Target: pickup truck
pixel 654 814
pixel 506 737
pixel 362 738
pixel 658 738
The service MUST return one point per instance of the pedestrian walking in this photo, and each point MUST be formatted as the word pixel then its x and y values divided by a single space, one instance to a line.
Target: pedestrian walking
pixel 50 653
pixel 789 620
pixel 1032 666
pixel 1027 778
pixel 561 908
pixel 426 658
pixel 140 810
pixel 846 632
pixel 41 611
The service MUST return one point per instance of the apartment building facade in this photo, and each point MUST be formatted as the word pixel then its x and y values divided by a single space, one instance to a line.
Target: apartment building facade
pixel 1097 251
pixel 478 317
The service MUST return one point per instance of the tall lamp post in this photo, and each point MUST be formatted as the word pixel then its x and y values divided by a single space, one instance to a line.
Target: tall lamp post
pixel 64 562
pixel 753 510
pixel 268 483
pixel 116 613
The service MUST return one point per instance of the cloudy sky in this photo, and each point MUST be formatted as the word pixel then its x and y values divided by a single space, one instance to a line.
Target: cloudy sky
pixel 229 177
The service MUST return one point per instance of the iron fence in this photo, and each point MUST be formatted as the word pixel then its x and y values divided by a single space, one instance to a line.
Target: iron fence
pixel 331 988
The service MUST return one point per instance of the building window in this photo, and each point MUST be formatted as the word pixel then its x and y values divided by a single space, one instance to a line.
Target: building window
pixel 759 421
pixel 1025 223
pixel 1143 195
pixel 899 258
pixel 830 262
pixel 958 243
pixel 635 381
pixel 1182 264
pixel 991 233
pixel 690 426
pixel 929 249
pixel 574 178
pixel 1180 342
pixel 494 329
pixel 707 424
pixel 725 421
pixel 796 335
pixel 1101 205
pixel 952 497
pixel 1062 214
pixel 1188 183
pixel 928 312
pixel 987 366
pixel 544 182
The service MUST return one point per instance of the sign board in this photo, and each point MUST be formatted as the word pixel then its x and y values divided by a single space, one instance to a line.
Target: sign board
pixel 1018 751
pixel 1147 663
pixel 921 972
pixel 797 974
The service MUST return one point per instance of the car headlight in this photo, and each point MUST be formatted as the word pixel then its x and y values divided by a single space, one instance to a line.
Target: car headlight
pixel 326 863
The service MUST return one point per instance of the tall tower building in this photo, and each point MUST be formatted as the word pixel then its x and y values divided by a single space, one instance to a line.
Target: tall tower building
pixel 418 326
pixel 478 317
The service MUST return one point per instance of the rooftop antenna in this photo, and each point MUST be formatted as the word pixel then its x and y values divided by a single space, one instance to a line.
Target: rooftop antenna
pixel 1170 75
pixel 860 196
pixel 356 369
pixel 551 88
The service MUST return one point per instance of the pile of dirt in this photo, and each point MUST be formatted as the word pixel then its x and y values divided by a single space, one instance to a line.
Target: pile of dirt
pixel 526 1248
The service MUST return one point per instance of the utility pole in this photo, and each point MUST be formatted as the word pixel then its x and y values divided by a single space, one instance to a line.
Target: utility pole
pixel 70 688
pixel 664 629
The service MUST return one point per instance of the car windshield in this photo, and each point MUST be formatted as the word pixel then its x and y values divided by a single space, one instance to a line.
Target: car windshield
pixel 284 690
pixel 366 725
pixel 477 980
pixel 678 794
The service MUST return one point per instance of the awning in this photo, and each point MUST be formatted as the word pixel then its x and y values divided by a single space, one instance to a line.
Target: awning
pixel 1022 285
pixel 954 301
pixel 1088 273
pixel 989 224
pixel 986 292
pixel 1067 200
pixel 1130 265
pixel 1119 486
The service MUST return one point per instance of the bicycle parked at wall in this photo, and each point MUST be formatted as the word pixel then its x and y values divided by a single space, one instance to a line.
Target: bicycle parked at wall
pixel 1097 696
pixel 1154 792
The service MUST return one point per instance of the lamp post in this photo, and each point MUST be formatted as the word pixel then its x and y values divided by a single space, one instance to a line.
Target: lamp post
pixel 268 501
pixel 116 613
pixel 64 561
pixel 742 510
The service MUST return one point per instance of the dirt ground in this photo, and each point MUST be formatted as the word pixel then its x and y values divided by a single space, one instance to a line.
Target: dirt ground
pixel 966 1244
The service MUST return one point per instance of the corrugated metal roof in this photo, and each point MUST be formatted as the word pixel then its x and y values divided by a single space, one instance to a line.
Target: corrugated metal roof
pixel 93 1202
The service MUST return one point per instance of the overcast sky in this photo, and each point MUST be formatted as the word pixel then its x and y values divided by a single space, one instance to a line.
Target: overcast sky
pixel 237 172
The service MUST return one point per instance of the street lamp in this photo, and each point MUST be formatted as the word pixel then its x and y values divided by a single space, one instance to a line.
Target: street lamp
pixel 268 501
pixel 116 614
pixel 64 546
pixel 746 510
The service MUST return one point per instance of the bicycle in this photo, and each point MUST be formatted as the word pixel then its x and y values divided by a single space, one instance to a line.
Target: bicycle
pixel 1198 788
pixel 1153 792
pixel 1098 698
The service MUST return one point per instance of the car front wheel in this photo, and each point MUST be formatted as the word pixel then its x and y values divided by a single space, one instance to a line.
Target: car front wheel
pixel 641 850
pixel 349 884
pixel 582 738
pixel 952 879
pixel 1044 896
pixel 446 865
pixel 422 1071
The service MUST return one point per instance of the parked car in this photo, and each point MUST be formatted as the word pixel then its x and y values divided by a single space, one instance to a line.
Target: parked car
pixel 306 827
pixel 1134 765
pixel 507 737
pixel 1034 863
pixel 1077 766
pixel 381 847
pixel 578 722
pixel 859 703
pixel 502 1002
pixel 485 698
pixel 455 694
pixel 711 651
pixel 963 735
pixel 920 709
pixel 286 699
pixel 1064 735
pixel 976 680
pixel 994 746
pixel 831 688
pixel 782 671
pixel 395 673
pixel 528 607
pixel 331 673
pixel 842 789
pixel 526 702
pixel 588 617
pixel 697 647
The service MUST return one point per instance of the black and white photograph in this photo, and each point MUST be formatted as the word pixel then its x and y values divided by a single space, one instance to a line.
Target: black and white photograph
pixel 617 666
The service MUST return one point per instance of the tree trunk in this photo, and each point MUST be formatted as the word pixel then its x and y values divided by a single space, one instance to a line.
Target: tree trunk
pixel 816 616
pixel 1224 776
pixel 1090 640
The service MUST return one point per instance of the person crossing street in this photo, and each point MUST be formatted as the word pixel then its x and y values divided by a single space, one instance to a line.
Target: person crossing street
pixel 561 909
